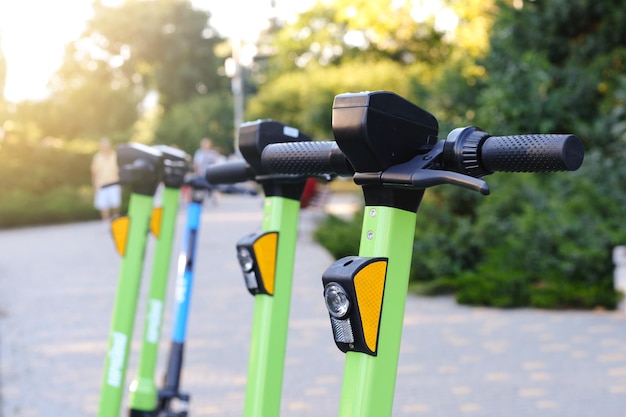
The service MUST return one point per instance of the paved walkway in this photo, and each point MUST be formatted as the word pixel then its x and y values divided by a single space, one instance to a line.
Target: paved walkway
pixel 57 286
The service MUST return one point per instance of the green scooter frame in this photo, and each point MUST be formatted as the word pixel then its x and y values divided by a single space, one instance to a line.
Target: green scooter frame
pixel 143 393
pixel 272 296
pixel 392 148
pixel 141 169
pixel 271 312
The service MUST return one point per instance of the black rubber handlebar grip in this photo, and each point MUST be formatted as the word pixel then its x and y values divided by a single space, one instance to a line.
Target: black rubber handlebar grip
pixel 532 153
pixel 229 173
pixel 306 158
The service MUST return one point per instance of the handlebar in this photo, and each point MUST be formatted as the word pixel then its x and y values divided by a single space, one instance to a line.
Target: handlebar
pixel 306 158
pixel 467 152
pixel 229 173
pixel 474 152
pixel 532 153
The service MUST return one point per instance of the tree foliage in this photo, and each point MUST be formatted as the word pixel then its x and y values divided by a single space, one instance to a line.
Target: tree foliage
pixel 555 66
pixel 209 115
pixel 304 98
pixel 126 52
pixel 364 31
pixel 162 45
pixel 139 49
pixel 343 46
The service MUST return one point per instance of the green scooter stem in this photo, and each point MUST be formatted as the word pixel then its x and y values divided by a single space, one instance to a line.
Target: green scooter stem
pixel 271 314
pixel 143 391
pixel 369 381
pixel 139 211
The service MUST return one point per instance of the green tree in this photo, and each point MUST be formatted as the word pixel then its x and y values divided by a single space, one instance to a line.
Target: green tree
pixel 126 52
pixel 331 33
pixel 546 240
pixel 347 46
pixel 457 81
pixel 304 98
pixel 209 115
pixel 554 66
pixel 165 45
pixel 87 100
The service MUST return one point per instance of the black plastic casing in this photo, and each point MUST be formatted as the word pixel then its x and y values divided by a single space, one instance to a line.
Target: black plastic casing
pixel 380 129
pixel 140 166
pixel 253 138
pixel 376 130
pixel 176 164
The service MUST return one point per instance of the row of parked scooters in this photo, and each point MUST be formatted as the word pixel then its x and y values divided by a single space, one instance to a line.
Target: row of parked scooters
pixel 389 147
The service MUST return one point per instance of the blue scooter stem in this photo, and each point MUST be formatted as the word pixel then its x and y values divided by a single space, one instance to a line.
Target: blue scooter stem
pixel 184 286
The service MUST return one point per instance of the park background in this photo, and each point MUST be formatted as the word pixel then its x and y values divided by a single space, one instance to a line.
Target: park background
pixel 161 72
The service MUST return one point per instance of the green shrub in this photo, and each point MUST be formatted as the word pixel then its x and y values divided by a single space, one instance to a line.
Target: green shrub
pixel 60 205
pixel 572 295
pixel 44 184
pixel 444 246
pixel 339 236
pixel 504 290
pixel 552 233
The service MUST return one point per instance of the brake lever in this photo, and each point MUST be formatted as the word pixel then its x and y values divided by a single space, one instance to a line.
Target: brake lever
pixel 428 178
pixel 419 173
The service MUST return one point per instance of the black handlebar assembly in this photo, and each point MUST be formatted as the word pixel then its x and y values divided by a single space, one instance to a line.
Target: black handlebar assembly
pixel 312 159
pixel 140 166
pixel 229 173
pixel 365 129
pixel 254 137
pixel 476 153
pixel 466 152
pixel 384 141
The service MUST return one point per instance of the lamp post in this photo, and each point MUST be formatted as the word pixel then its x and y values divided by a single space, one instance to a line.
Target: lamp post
pixel 233 70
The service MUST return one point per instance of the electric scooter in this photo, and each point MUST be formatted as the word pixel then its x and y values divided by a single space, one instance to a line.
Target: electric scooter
pixel 140 168
pixel 142 400
pixel 171 401
pixel 266 259
pixel 392 148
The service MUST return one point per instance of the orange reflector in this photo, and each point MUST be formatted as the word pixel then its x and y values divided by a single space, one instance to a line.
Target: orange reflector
pixel 369 284
pixel 265 249
pixel 119 230
pixel 155 221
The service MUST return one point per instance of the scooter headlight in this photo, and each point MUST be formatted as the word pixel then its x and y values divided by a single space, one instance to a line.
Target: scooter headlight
pixel 354 287
pixel 337 301
pixel 256 254
pixel 245 259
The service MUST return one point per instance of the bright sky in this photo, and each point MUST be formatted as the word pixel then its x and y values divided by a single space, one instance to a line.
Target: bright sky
pixel 34 33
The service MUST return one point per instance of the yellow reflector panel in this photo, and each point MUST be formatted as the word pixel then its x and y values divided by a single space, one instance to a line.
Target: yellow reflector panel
pixel 265 248
pixel 155 221
pixel 119 230
pixel 369 284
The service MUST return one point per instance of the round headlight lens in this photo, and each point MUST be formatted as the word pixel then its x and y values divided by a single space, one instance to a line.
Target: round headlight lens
pixel 245 259
pixel 337 301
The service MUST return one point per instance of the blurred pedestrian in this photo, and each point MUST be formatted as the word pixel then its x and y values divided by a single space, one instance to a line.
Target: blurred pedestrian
pixel 105 180
pixel 205 156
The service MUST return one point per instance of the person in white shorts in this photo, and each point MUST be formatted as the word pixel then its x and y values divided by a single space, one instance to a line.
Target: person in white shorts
pixel 105 178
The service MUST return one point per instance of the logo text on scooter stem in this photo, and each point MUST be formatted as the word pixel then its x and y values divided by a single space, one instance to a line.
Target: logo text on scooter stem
pixel 154 320
pixel 116 359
